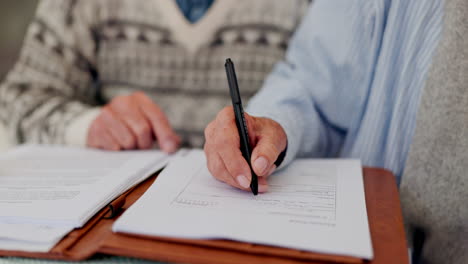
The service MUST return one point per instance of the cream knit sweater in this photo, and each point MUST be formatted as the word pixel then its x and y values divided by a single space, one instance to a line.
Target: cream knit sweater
pixel 78 55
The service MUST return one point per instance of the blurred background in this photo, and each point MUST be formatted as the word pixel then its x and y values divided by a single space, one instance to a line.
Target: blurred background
pixel 15 16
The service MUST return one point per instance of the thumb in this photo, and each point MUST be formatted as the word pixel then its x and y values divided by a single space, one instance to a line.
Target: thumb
pixel 271 141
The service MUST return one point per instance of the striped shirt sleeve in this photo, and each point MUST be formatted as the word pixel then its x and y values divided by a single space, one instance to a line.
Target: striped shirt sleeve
pixel 313 94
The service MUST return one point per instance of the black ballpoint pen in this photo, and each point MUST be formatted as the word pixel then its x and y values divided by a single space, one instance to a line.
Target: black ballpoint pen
pixel 240 121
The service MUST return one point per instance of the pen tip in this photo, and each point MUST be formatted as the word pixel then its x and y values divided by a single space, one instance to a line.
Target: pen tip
pixel 254 187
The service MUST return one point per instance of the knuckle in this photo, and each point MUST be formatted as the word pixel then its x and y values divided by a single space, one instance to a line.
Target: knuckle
pixel 227 129
pixel 207 148
pixel 221 142
pixel 128 142
pixel 145 144
pixel 211 166
pixel 176 138
pixel 165 128
pixel 98 126
pixel 95 125
pixel 142 130
pixel 123 100
pixel 226 110
pixel 106 112
pixel 252 125
pixel 103 147
pixel 209 130
pixel 228 138
pixel 214 166
pixel 158 116
pixel 226 113
pixel 216 169
pixel 139 94
pixel 108 146
pixel 210 152
pixel 163 134
pixel 114 147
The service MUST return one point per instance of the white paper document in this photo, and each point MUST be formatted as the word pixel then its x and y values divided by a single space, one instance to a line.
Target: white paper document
pixel 30 237
pixel 46 191
pixel 40 184
pixel 312 205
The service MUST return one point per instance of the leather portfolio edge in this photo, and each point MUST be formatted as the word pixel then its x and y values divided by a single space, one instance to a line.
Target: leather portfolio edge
pixel 247 251
pixel 97 237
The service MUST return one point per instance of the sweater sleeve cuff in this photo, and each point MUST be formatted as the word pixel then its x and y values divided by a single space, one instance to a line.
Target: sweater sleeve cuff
pixel 76 134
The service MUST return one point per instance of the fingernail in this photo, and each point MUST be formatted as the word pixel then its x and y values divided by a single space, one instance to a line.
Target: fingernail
pixel 261 164
pixel 242 180
pixel 169 146
pixel 262 188
pixel 272 170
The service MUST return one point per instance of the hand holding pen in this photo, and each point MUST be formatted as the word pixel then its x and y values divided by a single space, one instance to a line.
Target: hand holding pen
pixel 225 147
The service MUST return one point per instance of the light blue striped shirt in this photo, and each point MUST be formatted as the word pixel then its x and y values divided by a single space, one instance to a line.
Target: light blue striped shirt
pixel 352 79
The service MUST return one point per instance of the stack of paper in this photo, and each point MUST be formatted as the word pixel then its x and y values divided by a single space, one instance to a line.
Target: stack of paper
pixel 46 191
pixel 312 205
pixel 31 237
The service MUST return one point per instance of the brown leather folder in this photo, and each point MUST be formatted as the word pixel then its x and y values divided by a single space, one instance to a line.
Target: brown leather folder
pixel 383 208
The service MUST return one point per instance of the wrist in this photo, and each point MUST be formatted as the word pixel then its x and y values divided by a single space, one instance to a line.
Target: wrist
pixel 76 133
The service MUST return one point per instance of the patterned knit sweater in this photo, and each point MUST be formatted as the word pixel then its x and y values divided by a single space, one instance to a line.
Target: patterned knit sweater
pixel 78 55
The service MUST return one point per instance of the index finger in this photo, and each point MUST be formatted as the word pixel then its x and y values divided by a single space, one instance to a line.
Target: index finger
pixel 227 144
pixel 166 137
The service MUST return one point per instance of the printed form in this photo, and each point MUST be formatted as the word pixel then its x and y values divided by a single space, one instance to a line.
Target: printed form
pixel 47 191
pixel 66 186
pixel 313 205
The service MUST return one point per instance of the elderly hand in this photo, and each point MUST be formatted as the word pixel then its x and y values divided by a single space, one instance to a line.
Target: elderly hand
pixel 132 122
pixel 222 149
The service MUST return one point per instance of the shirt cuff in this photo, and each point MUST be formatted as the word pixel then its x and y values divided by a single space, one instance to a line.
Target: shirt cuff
pixel 76 134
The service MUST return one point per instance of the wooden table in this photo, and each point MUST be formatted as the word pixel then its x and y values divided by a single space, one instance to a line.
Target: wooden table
pixel 383 208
